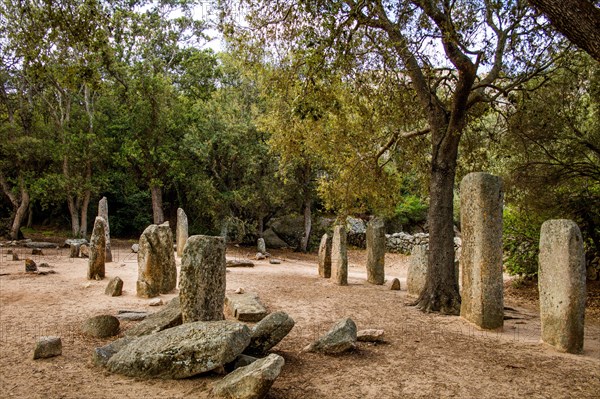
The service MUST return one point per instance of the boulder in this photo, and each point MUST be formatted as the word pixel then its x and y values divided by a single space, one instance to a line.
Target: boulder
pixel 245 307
pixel 135 248
pixel 252 381
pixel 182 351
pixel 102 326
pixel 341 338
pixel 272 240
pixel 269 332
pixel 169 316
pixel 46 347
pixel 290 228
pixel 114 287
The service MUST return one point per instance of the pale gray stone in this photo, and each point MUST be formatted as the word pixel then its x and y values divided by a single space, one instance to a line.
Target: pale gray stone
pixel 325 256
pixel 370 335
pixel 561 280
pixel 252 381
pixel 239 263
pixel 102 326
pixel 202 279
pixel 181 235
pixel 103 212
pixel 157 273
pixel 376 251
pixel 245 307
pixel 269 332
pixel 46 347
pixel 182 351
pixel 417 270
pixel 169 316
pixel 103 354
pixel 135 248
pixel 340 338
pixel 339 256
pixel 481 201
pixel 114 287
pixel 261 246
pixel 41 245
pixel 97 250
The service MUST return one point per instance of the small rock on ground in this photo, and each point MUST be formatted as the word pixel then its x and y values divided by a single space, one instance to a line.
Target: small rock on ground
pixel 370 335
pixel 395 286
pixel 47 347
pixel 341 338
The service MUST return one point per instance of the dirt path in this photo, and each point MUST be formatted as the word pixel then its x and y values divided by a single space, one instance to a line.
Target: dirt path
pixel 425 355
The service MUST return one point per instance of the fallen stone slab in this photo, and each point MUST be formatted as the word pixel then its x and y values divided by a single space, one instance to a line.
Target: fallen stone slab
pixel 137 316
pixel 269 332
pixel 103 354
pixel 239 263
pixel 370 335
pixel 39 245
pixel 245 307
pixel 182 351
pixel 46 347
pixel 274 261
pixel 169 316
pixel 341 338
pixel 252 381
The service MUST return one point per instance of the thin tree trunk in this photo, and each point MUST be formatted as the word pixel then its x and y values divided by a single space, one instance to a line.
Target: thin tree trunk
pixel 307 225
pixel 20 212
pixel 74 212
pixel 30 216
pixel 157 211
pixel 441 289
pixel 84 212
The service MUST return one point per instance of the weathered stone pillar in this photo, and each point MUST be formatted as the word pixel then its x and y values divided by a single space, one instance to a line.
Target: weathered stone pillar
pixel 376 251
pixel 182 231
pixel 97 250
pixel 417 270
pixel 261 247
pixel 339 256
pixel 202 279
pixel 561 282
pixel 157 273
pixel 325 256
pixel 103 212
pixel 482 299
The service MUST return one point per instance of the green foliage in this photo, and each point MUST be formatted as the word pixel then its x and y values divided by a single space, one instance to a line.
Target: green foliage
pixel 410 210
pixel 521 237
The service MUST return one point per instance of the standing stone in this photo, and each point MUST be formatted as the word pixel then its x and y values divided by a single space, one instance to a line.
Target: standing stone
pixel 182 231
pixel 261 246
pixel 114 287
pixel 395 286
pixel 97 250
pixel 30 266
pixel 103 212
pixel 157 273
pixel 561 281
pixel 325 256
pixel 74 251
pixel 481 198
pixel 339 256
pixel 202 279
pixel 417 270
pixel 376 251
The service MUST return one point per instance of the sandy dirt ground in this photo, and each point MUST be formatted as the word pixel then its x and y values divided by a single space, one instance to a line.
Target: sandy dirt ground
pixel 424 356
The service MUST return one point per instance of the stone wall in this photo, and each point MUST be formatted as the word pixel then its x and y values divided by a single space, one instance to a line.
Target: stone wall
pixel 403 242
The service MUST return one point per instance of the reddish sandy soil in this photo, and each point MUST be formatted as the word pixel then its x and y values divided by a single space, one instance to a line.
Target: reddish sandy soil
pixel 425 356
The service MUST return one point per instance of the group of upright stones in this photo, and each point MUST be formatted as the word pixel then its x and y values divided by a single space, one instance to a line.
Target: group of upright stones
pixel 561 273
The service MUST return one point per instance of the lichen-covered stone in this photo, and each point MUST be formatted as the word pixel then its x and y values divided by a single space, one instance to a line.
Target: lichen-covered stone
pixel 481 202
pixel 376 251
pixel 102 326
pixel 181 234
pixel 97 250
pixel 269 332
pixel 103 354
pixel 157 273
pixel 325 256
pixel 114 287
pixel 261 247
pixel 339 256
pixel 340 338
pixel 202 279
pixel 252 381
pixel 103 212
pixel 245 306
pixel 561 280
pixel 169 316
pixel 182 351
pixel 417 270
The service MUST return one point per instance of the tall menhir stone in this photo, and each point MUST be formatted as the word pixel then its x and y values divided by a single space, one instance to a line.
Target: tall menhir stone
pixel 157 273
pixel 376 251
pixel 325 256
pixel 481 199
pixel 182 231
pixel 417 270
pixel 202 279
pixel 97 250
pixel 339 256
pixel 103 212
pixel 561 283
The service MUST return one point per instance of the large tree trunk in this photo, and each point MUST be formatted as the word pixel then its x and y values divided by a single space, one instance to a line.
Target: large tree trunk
pixel 307 225
pixel 157 211
pixel 20 213
pixel 74 212
pixel 441 289
pixel 84 212
pixel 578 20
